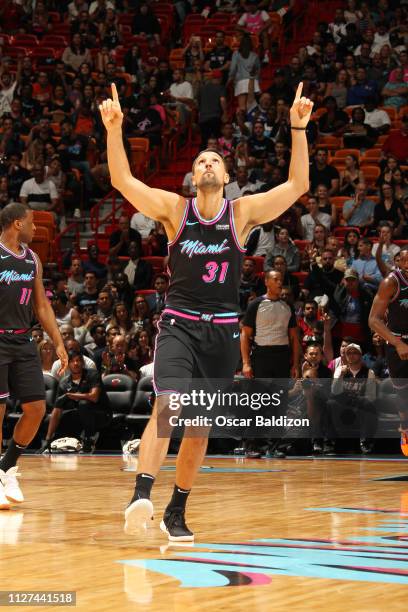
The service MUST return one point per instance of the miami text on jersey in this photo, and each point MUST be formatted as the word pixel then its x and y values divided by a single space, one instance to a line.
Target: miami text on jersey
pixel 195 247
pixel 11 276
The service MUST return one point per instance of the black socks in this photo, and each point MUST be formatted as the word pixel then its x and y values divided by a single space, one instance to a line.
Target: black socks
pixel 144 483
pixel 11 455
pixel 179 498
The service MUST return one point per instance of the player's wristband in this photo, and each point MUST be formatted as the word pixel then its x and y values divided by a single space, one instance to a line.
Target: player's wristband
pixel 297 128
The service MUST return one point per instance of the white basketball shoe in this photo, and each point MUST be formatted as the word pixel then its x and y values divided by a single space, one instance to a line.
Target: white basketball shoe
pixel 10 484
pixel 138 515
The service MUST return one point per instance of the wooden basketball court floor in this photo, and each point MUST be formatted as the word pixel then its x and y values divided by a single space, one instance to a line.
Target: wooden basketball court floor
pixel 270 535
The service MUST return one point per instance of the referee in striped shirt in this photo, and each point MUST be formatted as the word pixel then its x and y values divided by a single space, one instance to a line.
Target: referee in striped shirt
pixel 270 345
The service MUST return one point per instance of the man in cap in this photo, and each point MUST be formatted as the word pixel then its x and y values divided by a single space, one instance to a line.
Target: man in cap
pixel 353 396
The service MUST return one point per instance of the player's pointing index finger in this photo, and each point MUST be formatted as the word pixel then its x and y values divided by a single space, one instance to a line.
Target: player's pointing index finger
pixel 299 92
pixel 115 96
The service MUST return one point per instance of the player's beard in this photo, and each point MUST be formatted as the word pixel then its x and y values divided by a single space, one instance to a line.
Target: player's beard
pixel 209 181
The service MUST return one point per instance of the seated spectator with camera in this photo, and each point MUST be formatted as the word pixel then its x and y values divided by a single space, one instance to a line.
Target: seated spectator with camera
pixel 352 401
pixel 81 404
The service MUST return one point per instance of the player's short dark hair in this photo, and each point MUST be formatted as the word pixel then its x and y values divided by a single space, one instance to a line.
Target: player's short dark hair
pixel 208 151
pixel 12 212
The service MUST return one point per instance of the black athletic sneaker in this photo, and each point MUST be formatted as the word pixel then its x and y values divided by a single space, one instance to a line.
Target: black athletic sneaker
pixel 366 446
pixel 87 446
pixel 174 525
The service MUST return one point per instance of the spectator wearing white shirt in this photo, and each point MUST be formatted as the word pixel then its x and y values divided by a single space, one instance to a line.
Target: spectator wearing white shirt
pixel 261 240
pixel 381 37
pixel 142 224
pixel 376 118
pixel 7 89
pixel 309 221
pixel 100 5
pixel 338 26
pixel 71 345
pixel 75 7
pixel 237 188
pixel 188 189
pixel 38 192
pixel 181 93
pixel 389 249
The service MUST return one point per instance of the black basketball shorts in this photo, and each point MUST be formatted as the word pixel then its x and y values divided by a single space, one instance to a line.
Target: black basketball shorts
pixel 398 367
pixel 21 374
pixel 194 347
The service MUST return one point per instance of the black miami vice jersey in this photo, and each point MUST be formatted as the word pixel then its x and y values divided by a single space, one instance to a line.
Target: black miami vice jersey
pixel 398 307
pixel 17 274
pixel 205 261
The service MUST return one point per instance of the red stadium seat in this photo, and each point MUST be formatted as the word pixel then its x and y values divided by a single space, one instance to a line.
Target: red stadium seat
pixel 301 244
pixel 54 40
pixel 156 262
pixel 25 40
pixel 340 232
pixel 301 276
pixel 145 292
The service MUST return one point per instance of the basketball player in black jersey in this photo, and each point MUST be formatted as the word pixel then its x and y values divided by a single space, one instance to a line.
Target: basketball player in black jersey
pixel 199 334
pixel 392 298
pixel 21 295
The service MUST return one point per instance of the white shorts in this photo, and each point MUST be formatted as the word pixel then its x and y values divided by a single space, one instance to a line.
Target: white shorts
pixel 241 87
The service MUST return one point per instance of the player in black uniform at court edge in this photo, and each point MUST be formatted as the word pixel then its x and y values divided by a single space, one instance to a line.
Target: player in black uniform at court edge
pixel 21 295
pixel 199 333
pixel 391 303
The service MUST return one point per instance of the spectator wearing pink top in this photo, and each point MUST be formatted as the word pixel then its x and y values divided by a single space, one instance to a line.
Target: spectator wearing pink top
pixel 256 22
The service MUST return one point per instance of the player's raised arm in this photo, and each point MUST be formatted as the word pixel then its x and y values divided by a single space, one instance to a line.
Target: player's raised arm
pixel 263 207
pixel 376 319
pixel 155 203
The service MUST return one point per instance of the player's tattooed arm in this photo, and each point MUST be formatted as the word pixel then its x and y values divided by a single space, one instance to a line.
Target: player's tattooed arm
pixel 46 316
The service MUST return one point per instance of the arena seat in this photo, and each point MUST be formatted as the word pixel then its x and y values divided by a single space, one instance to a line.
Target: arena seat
pixel 144 390
pixel 301 244
pixel 46 53
pixel 338 201
pixel 391 112
pixel 344 152
pixel 386 406
pixel 340 232
pixel 51 386
pixel 371 156
pixel 330 143
pixel 25 40
pixel 120 389
pixel 141 407
pixel 145 292
pixel 56 41
pixel 156 262
pixel 139 154
pixel 43 218
pixel 301 276
pixel 371 174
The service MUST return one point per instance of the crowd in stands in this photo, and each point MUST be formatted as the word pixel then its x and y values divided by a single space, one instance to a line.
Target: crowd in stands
pixel 230 86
